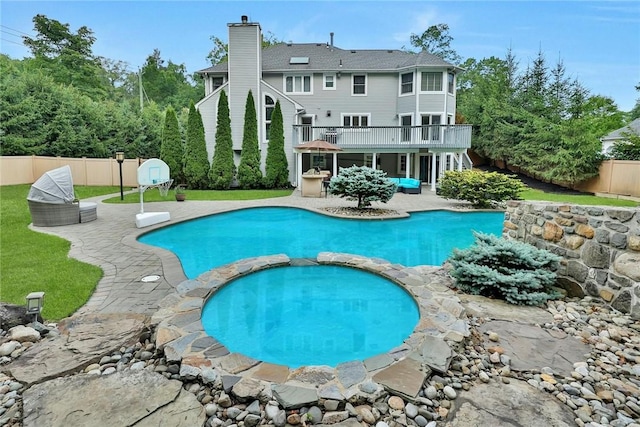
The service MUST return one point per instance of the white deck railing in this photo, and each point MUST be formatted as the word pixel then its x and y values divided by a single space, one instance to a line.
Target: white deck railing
pixel 432 136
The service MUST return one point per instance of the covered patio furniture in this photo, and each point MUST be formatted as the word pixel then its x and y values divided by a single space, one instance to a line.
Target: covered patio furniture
pixel 52 201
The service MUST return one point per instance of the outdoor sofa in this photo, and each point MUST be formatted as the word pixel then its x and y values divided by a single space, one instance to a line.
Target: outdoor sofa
pixel 408 185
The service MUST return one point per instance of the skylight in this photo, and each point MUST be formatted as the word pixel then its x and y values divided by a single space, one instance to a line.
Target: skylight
pixel 299 60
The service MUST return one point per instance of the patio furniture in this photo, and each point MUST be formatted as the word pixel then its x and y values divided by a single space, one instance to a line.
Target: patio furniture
pixel 408 185
pixel 52 201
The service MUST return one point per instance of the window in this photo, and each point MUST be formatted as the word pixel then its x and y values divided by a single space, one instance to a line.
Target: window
pixel 451 80
pixel 356 120
pixel 307 122
pixel 430 127
pixel 406 83
pixel 405 122
pixel 269 105
pixel 359 84
pixel 216 82
pixel 297 84
pixel 431 82
pixel 329 82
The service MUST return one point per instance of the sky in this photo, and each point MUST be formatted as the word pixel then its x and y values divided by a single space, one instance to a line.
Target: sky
pixel 597 41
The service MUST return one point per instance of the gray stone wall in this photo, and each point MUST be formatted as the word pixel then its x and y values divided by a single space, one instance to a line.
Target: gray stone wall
pixel 599 246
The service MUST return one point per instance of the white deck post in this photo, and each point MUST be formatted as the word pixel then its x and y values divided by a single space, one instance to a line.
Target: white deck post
pixel 407 166
pixel 433 171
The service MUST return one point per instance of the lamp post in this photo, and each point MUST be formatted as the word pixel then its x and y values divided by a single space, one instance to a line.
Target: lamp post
pixel 120 159
pixel 35 301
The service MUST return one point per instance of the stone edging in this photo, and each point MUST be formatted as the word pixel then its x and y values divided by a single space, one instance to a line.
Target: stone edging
pixel 442 324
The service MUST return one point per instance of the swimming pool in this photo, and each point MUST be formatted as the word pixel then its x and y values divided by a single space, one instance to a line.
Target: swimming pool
pixel 310 315
pixel 424 238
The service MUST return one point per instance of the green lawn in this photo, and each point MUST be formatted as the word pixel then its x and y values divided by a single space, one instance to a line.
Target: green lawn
pixel 153 195
pixel 578 199
pixel 31 261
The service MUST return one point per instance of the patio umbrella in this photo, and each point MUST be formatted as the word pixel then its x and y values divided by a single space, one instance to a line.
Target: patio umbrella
pixel 318 146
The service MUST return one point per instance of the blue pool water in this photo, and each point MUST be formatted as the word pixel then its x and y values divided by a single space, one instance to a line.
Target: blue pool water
pixel 311 315
pixel 425 238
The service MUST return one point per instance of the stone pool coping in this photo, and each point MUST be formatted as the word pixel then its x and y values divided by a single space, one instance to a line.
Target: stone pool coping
pixel 402 370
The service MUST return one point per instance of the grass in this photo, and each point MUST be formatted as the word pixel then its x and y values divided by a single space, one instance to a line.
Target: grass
pixel 153 195
pixel 32 261
pixel 578 199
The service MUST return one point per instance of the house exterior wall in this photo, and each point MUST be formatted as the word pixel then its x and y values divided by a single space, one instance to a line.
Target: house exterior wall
pixel 208 108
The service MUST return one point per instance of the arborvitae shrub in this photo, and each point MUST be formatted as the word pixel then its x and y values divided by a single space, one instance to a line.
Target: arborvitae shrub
pixel 480 188
pixel 363 184
pixel 276 165
pixel 196 159
pixel 249 174
pixel 223 168
pixel 507 269
pixel 171 149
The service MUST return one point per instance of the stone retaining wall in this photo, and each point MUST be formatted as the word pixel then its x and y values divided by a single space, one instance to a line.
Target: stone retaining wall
pixel 599 246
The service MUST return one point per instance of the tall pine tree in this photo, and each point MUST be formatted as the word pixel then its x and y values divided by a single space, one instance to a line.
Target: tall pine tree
pixel 277 168
pixel 196 160
pixel 222 167
pixel 171 150
pixel 249 174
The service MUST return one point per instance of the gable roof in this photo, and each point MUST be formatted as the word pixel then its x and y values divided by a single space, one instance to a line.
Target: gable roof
pixel 633 127
pixel 322 57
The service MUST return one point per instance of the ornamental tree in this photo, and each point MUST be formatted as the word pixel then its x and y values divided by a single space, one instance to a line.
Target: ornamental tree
pixel 196 160
pixel 249 174
pixel 171 150
pixel 507 269
pixel 363 184
pixel 480 188
pixel 222 167
pixel 277 168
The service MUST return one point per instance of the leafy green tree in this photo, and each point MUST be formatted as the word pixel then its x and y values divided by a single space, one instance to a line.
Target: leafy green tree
pixel 437 41
pixel 629 149
pixel 221 49
pixel 171 150
pixel 223 168
pixel 169 84
pixel 67 56
pixel 196 159
pixel 364 185
pixel 507 269
pixel 480 188
pixel 277 167
pixel 635 111
pixel 249 174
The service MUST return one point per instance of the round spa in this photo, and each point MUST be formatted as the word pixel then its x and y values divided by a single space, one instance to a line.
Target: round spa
pixel 310 315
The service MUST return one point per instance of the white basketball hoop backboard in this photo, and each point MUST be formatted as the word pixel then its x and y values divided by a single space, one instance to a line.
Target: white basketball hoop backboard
pixel 153 172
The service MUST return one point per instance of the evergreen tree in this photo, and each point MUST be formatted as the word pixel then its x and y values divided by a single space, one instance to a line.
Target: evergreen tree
pixel 364 185
pixel 222 167
pixel 171 150
pixel 277 168
pixel 249 174
pixel 196 160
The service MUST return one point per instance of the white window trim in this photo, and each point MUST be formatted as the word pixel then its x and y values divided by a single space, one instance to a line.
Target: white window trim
pixel 284 83
pixel 400 117
pixel 324 82
pixel 265 140
pixel 453 89
pixel 444 82
pixel 413 84
pixel 442 116
pixel 359 128
pixel 399 166
pixel 366 84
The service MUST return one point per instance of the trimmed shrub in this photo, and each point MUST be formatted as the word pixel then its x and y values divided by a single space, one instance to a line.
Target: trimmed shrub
pixel 480 188
pixel 277 167
pixel 507 269
pixel 249 174
pixel 223 168
pixel 171 149
pixel 196 159
pixel 363 184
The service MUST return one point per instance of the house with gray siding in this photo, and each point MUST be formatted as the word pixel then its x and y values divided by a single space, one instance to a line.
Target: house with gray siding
pixel 387 109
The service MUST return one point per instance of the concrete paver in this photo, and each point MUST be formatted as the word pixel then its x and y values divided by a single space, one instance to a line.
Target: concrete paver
pixel 110 243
